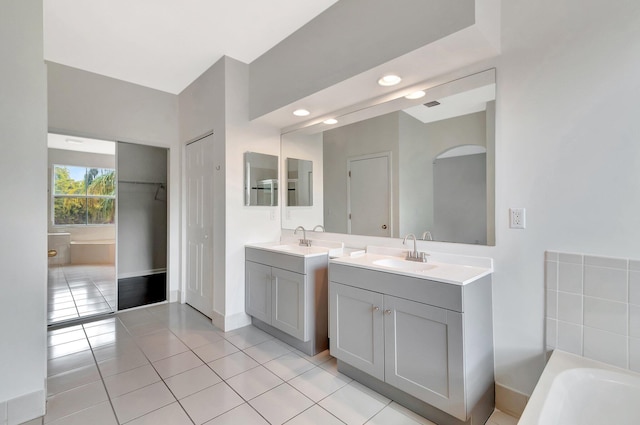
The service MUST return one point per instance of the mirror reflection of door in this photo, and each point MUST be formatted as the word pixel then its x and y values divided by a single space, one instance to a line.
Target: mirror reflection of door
pixel 81 228
pixel 369 195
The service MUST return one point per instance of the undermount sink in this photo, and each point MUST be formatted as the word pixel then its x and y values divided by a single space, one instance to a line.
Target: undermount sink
pixel 403 264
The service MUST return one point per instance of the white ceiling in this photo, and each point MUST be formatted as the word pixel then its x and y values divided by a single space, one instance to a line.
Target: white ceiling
pixel 167 44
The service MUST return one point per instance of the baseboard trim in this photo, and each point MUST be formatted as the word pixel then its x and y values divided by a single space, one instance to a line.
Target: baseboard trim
pixel 510 401
pixel 231 322
pixel 25 408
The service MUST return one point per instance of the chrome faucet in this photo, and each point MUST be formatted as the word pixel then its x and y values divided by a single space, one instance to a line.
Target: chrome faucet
pixel 304 241
pixel 319 226
pixel 426 236
pixel 414 255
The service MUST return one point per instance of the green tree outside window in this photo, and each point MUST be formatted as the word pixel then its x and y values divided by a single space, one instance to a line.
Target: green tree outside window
pixel 83 195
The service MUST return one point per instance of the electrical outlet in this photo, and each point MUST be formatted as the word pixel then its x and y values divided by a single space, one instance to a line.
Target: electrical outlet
pixel 517 218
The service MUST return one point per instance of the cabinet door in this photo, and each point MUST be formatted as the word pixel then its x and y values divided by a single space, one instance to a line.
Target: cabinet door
pixel 257 292
pixel 357 333
pixel 288 295
pixel 423 353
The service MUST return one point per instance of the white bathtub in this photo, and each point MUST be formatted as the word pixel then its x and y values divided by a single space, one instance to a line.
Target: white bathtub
pixel 574 390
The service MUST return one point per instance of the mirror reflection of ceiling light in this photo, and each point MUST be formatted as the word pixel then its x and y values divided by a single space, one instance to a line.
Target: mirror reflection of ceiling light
pixel 74 141
pixel 415 95
pixel 330 121
pixel 301 112
pixel 389 80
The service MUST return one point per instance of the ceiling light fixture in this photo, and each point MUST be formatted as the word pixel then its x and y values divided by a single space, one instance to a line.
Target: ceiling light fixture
pixel 415 95
pixel 74 141
pixel 389 80
pixel 330 121
pixel 301 112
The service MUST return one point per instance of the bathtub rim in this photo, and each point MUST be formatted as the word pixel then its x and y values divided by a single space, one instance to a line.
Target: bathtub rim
pixel 559 362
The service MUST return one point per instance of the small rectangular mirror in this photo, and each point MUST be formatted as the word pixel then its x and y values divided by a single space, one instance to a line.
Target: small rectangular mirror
pixel 299 182
pixel 260 179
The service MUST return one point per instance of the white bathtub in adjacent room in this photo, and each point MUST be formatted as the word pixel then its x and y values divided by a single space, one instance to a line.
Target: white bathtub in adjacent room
pixel 93 251
pixel 574 390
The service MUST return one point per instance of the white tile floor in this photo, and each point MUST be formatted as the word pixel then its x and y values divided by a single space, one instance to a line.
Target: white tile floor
pixel 79 291
pixel 167 364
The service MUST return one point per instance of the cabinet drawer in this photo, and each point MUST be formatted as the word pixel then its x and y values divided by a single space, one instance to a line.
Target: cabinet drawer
pixel 292 263
pixel 438 294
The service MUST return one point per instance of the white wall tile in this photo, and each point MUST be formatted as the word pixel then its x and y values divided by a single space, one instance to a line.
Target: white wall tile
pixel 551 256
pixel 605 347
pixel 552 304
pixel 634 287
pixel 634 265
pixel 606 315
pixel 3 412
pixel 570 308
pixel 634 321
pixel 602 282
pixel 570 337
pixel 570 277
pixel 612 263
pixel 551 334
pixel 551 275
pixel 570 258
pixel 634 354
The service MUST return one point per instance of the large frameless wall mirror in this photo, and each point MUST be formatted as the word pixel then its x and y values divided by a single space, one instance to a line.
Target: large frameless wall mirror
pixel 260 179
pixel 423 166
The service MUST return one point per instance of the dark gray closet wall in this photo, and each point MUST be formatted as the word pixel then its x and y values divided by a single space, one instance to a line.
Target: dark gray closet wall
pixel 142 209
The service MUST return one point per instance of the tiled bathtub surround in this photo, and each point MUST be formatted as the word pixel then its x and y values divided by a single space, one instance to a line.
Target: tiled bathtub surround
pixel 593 307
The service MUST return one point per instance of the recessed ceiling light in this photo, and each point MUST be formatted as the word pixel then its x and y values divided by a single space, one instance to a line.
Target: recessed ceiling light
pixel 301 112
pixel 74 141
pixel 331 121
pixel 415 95
pixel 389 80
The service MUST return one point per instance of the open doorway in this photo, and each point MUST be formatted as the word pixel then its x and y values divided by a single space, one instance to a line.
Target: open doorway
pixel 81 228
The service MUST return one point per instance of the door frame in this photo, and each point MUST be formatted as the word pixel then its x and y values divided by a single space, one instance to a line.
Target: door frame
pixel 183 217
pixel 388 156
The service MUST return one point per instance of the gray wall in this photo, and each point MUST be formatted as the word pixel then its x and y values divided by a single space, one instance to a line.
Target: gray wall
pixel 23 123
pixel 460 201
pixel 142 209
pixel 348 38
pixel 202 109
pixel 89 104
pixel 415 175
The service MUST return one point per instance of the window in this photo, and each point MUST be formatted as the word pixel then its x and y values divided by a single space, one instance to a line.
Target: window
pixel 83 195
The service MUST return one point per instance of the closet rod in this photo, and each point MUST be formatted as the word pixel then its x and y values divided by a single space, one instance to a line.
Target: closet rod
pixel 134 182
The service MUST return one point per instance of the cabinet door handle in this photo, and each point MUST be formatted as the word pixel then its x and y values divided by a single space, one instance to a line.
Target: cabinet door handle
pixel 376 308
pixel 387 312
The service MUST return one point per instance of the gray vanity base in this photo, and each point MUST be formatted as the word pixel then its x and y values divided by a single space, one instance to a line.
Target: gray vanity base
pixel 479 414
pixel 310 348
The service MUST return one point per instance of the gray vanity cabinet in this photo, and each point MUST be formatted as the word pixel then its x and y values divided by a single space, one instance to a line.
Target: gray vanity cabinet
pixel 357 331
pixel 422 343
pixel 412 346
pixel 286 295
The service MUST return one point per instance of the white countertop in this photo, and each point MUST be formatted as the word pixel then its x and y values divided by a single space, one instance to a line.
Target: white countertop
pixel 292 247
pixel 455 272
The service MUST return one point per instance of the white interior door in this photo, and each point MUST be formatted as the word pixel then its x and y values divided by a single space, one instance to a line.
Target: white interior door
pixel 199 212
pixel 369 195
